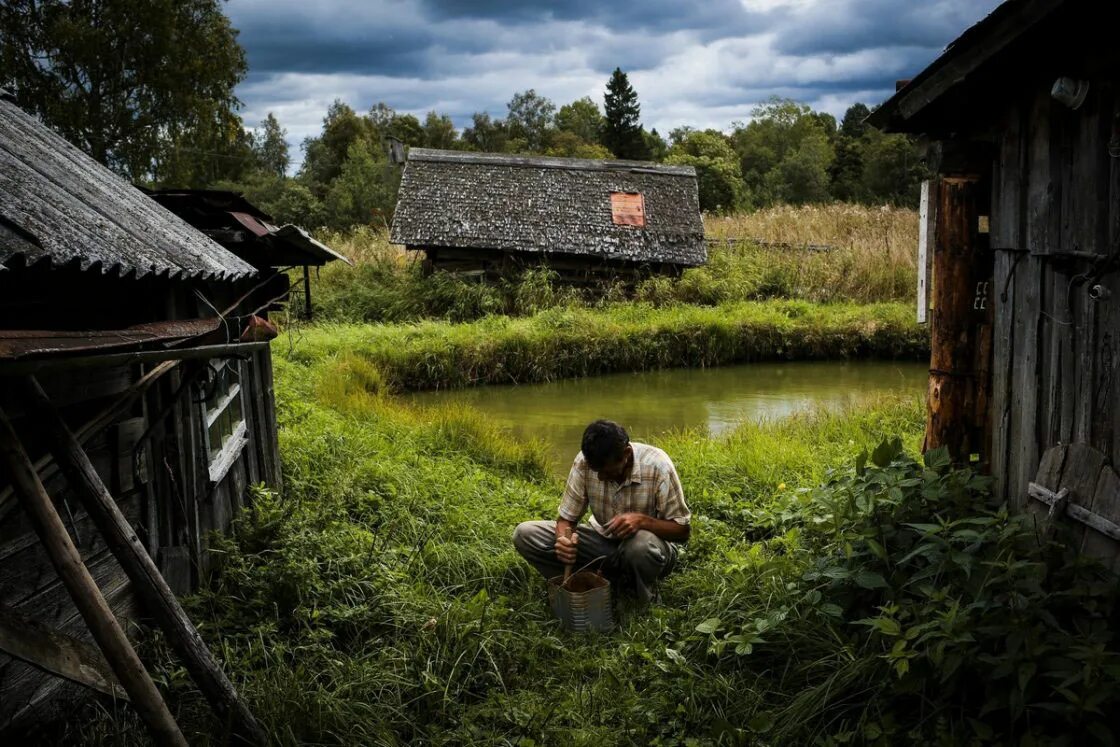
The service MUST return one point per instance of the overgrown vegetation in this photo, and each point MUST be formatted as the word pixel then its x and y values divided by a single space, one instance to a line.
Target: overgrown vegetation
pixel 819 253
pixel 562 343
pixel 380 601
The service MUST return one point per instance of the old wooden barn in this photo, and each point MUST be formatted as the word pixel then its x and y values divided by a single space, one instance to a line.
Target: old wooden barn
pixel 1022 115
pixel 486 214
pixel 136 410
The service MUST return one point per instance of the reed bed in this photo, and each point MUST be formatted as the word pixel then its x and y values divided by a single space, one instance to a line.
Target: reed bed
pixel 868 256
pixel 574 341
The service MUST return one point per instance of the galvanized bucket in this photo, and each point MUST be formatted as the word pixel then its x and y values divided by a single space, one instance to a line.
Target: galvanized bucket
pixel 584 603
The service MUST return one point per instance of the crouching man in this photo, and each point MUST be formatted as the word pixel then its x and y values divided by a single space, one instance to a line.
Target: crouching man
pixel 638 513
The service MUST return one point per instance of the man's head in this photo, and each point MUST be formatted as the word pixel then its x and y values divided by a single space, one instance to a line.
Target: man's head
pixel 606 447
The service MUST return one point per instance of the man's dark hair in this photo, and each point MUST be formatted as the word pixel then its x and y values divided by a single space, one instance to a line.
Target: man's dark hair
pixel 604 442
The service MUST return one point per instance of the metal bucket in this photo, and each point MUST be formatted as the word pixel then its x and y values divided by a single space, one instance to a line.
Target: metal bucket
pixel 585 604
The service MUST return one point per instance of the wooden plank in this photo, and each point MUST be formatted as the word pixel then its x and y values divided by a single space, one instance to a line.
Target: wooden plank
pixel 83 590
pixel 56 653
pixel 1106 504
pixel 1025 378
pixel 924 233
pixel 26 569
pixel 147 582
pixel 1078 513
pixel 28 690
pixel 1080 474
pixel 1006 220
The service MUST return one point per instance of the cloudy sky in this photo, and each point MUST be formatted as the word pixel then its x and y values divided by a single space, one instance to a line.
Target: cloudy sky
pixel 705 63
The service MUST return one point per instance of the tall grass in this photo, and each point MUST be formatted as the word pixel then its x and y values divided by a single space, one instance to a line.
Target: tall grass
pixel 870 258
pixel 380 600
pixel 571 342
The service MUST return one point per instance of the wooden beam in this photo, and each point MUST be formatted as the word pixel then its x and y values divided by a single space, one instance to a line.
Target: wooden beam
pixel 56 653
pixel 87 597
pixel 307 291
pixel 1079 513
pixel 964 59
pixel 22 367
pixel 952 386
pixel 148 584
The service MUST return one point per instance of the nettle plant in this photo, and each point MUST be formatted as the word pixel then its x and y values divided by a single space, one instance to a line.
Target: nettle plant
pixel 925 610
pixel 976 614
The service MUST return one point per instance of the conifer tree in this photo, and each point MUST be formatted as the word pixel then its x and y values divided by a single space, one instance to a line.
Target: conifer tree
pixel 622 130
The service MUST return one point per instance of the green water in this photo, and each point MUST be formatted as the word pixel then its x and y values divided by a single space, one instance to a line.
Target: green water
pixel 652 403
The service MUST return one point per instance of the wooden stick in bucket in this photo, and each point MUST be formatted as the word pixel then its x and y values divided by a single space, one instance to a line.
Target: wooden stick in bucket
pixel 568 568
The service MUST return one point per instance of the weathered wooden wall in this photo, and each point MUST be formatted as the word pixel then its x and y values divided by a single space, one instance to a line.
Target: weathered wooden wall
pixel 154 463
pixel 1056 190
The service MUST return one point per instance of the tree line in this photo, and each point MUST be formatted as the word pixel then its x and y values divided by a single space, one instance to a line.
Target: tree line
pixel 159 108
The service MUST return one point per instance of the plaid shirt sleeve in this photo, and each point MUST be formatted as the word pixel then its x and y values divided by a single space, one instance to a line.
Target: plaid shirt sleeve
pixel 574 503
pixel 669 498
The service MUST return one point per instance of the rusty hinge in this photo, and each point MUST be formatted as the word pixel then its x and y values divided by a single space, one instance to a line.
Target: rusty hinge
pixel 1059 504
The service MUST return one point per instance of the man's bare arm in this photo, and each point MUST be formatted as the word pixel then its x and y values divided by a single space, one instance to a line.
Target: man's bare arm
pixel 626 525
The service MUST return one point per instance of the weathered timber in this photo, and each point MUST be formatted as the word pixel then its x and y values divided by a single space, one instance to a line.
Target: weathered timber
pixel 87 597
pixel 45 466
pixel 1076 512
pixel 1005 238
pixel 54 652
pixel 952 376
pixel 149 585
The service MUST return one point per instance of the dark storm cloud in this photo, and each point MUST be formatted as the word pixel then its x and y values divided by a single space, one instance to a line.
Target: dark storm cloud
pixel 703 64
pixel 850 25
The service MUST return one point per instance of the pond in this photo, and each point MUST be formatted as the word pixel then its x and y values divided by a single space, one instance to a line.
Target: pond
pixel 652 403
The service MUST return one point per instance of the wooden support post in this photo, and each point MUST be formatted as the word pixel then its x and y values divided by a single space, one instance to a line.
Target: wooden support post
pixel 83 590
pixel 307 291
pixel 158 599
pixel 952 390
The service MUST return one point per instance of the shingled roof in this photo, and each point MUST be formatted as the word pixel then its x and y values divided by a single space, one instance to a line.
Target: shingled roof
pixel 549 205
pixel 58 204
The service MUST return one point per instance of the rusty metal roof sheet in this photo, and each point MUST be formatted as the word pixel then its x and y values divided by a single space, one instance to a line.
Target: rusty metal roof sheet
pixel 549 205
pixel 57 204
pixel 19 344
pixel 245 229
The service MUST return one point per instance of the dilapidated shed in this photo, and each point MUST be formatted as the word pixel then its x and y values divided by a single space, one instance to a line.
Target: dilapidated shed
pixel 487 213
pixel 136 410
pixel 1022 117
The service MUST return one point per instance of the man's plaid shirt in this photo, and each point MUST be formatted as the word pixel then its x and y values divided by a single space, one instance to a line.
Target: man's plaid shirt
pixel 653 488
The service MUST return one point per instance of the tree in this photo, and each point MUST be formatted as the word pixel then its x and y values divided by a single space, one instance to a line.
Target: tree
pixel 364 191
pixel 777 131
pixel 137 84
pixel 656 147
pixel 892 168
pixel 582 118
pixel 530 118
pixel 622 131
pixel 853 124
pixel 570 145
pixel 439 131
pixel 325 155
pixel 719 179
pixel 486 134
pixel 271 146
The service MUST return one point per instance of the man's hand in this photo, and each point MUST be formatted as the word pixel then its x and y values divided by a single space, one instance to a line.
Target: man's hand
pixel 626 525
pixel 566 549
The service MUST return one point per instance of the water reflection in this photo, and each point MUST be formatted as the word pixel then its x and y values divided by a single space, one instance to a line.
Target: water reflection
pixel 652 403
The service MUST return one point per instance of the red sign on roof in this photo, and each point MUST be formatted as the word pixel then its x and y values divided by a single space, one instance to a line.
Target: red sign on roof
pixel 628 209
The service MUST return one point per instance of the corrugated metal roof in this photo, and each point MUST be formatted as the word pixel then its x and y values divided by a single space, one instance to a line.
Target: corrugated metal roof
pixel 244 229
pixel 548 205
pixel 58 204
